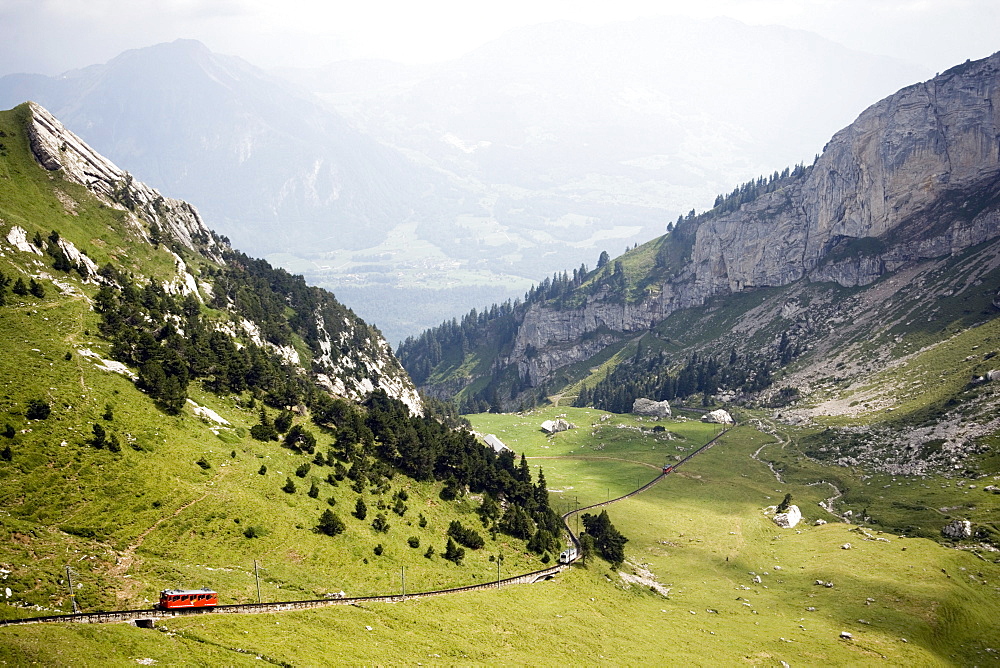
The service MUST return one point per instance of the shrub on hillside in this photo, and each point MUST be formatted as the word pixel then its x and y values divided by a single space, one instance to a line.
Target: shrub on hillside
pixel 453 552
pixel 330 523
pixel 470 538
pixel 38 409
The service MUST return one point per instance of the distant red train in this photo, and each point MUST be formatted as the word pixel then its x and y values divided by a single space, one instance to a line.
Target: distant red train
pixel 668 469
pixel 179 599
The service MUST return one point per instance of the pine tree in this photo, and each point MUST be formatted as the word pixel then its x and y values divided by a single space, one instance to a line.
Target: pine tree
pixel 361 509
pixel 36 289
pixel 453 552
pixel 330 523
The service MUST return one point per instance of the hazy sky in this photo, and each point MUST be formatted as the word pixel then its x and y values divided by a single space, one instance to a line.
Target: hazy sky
pixel 52 36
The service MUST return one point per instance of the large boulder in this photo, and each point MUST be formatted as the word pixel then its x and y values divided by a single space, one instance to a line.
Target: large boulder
pixel 957 529
pixel 557 425
pixel 718 416
pixel 658 409
pixel 789 518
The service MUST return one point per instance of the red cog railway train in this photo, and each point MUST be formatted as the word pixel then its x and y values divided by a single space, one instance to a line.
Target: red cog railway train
pixel 179 599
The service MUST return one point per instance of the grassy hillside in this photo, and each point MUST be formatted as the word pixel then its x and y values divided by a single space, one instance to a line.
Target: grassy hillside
pixel 701 534
pixel 135 498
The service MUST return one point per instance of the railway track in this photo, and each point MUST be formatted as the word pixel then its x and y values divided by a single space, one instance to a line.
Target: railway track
pixel 148 617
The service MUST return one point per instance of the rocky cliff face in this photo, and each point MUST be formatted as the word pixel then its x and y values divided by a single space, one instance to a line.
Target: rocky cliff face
pixel 916 176
pixel 353 360
pixel 55 147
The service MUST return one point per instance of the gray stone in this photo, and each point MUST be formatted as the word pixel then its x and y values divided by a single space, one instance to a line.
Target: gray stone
pixel 957 529
pixel 789 518
pixel 659 409
pixel 718 416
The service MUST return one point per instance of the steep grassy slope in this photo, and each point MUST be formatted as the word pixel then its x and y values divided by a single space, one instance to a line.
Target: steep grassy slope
pixel 135 494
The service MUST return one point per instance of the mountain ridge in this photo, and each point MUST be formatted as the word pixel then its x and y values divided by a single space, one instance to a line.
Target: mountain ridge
pixel 151 215
pixel 836 202
pixel 900 215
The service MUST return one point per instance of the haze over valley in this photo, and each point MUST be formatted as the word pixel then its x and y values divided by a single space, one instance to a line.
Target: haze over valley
pixel 420 192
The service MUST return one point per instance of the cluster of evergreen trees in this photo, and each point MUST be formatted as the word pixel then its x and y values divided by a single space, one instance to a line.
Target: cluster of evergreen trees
pixel 169 339
pixel 373 442
pixel 604 537
pixel 650 377
pixel 452 340
pixel 264 294
pixel 751 190
pixel 19 287
pixel 425 449
pixel 493 328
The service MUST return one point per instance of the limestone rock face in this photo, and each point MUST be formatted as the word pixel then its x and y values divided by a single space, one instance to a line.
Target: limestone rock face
pixel 913 178
pixel 352 363
pixel 659 409
pixel 957 529
pixel 56 148
pixel 789 518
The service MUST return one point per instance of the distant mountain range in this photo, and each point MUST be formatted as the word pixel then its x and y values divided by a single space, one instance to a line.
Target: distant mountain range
pixel 431 190
pixel 267 164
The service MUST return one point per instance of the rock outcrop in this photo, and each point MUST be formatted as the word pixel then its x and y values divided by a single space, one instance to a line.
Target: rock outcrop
pixel 718 416
pixel 789 518
pixel 914 177
pixel 957 529
pixel 56 148
pixel 556 426
pixel 658 409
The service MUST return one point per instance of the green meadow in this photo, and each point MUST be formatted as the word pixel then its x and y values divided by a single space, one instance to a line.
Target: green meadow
pixel 734 588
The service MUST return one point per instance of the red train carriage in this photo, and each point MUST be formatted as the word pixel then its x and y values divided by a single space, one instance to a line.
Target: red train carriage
pixel 668 469
pixel 177 599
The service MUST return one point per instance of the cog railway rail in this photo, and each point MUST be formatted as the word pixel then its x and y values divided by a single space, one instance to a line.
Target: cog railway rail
pixel 148 617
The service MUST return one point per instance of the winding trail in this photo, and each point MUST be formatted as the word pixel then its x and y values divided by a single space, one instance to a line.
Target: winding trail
pixel 127 557
pixel 147 616
pixel 766 426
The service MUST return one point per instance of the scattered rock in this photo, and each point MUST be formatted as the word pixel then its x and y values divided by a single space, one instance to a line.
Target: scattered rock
pixel 557 425
pixel 718 416
pixel 789 518
pixel 659 409
pixel 845 635
pixel 845 546
pixel 957 529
